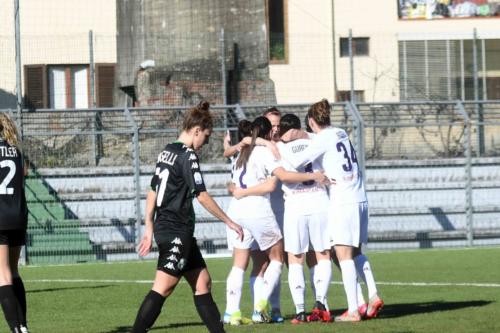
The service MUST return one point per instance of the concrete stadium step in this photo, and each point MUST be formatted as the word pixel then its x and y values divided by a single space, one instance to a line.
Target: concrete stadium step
pixel 53 258
pixel 39 211
pixel 35 239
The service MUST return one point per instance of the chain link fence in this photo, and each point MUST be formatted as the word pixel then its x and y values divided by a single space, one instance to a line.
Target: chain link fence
pixel 431 172
pixel 99 87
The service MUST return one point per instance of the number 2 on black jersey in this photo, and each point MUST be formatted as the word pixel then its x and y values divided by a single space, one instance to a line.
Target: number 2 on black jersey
pixel 12 171
pixel 350 159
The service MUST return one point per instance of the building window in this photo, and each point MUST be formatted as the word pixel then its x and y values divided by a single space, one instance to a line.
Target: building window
pixel 345 95
pixel 360 46
pixel 276 15
pixel 67 86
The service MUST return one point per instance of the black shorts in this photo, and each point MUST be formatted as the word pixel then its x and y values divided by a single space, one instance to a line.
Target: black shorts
pixel 13 238
pixel 179 254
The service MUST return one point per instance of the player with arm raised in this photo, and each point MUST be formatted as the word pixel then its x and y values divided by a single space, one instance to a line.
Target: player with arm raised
pixel 348 210
pixel 254 165
pixel 305 221
pixel 273 114
pixel 259 258
pixel 13 224
pixel 177 180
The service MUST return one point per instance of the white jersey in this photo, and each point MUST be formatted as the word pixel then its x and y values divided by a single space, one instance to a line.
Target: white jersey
pixel 303 198
pixel 339 163
pixel 259 167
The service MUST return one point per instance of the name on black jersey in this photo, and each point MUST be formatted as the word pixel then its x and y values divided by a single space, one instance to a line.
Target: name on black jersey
pixel 298 149
pixel 167 157
pixel 8 151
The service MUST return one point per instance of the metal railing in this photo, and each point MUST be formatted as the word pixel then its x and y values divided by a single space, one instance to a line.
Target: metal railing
pixel 431 170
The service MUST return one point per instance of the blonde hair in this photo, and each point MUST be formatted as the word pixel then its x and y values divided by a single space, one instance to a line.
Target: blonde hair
pixel 8 130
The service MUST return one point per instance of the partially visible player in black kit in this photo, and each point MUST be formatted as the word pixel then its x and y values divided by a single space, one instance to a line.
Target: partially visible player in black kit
pixel 13 223
pixel 176 182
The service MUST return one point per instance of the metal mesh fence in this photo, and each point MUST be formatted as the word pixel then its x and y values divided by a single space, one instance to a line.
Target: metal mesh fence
pixel 429 183
pixel 160 53
pixel 430 162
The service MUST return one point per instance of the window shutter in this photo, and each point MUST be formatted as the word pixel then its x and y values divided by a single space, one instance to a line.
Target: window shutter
pixel 35 86
pixel 105 84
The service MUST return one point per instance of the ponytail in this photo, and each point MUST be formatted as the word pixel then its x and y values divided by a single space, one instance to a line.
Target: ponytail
pixel 198 116
pixel 261 127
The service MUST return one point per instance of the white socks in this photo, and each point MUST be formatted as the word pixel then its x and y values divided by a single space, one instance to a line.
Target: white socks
pixel 258 285
pixel 297 286
pixel 349 279
pixel 322 278
pixel 234 284
pixel 271 277
pixel 365 272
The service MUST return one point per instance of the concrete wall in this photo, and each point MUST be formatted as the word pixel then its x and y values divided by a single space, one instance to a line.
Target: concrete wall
pixel 182 37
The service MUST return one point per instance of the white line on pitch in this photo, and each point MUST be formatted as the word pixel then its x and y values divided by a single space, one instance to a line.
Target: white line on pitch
pixel 412 284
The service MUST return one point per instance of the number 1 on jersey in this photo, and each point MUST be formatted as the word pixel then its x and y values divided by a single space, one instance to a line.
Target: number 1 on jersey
pixel 160 193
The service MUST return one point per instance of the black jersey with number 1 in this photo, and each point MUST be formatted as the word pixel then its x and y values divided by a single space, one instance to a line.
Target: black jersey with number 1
pixel 177 181
pixel 13 209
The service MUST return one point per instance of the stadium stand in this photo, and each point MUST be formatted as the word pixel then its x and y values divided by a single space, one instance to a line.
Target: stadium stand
pixel 413 204
pixel 54 234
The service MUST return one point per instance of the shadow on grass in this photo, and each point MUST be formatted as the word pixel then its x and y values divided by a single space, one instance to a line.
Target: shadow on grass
pixel 407 309
pixel 68 288
pixel 128 329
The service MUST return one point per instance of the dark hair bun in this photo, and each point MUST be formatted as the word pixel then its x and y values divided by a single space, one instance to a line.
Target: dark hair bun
pixel 203 105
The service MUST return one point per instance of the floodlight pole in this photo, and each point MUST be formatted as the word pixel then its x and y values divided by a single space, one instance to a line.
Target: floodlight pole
pixel 19 91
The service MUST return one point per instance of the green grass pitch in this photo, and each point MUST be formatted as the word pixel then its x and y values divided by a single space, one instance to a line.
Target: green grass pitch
pixel 456 290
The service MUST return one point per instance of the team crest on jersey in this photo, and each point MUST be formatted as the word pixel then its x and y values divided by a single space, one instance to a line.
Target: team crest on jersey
pixel 192 157
pixel 197 178
pixel 341 135
pixel 195 165
pixel 174 249
pixel 169 265
pixel 173 258
pixel 176 241
pixel 181 264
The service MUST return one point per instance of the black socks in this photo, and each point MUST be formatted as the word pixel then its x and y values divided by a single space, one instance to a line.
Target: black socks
pixel 207 309
pixel 20 292
pixel 148 312
pixel 11 308
pixel 153 302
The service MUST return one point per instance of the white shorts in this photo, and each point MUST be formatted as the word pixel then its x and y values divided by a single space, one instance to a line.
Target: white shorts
pixel 264 231
pixel 348 224
pixel 304 232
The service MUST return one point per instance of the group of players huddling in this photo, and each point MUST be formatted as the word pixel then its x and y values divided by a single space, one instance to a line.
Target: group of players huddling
pixel 302 193
pixel 294 192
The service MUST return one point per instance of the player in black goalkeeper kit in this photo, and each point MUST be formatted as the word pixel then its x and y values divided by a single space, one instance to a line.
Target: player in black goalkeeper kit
pixel 176 182
pixel 13 222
